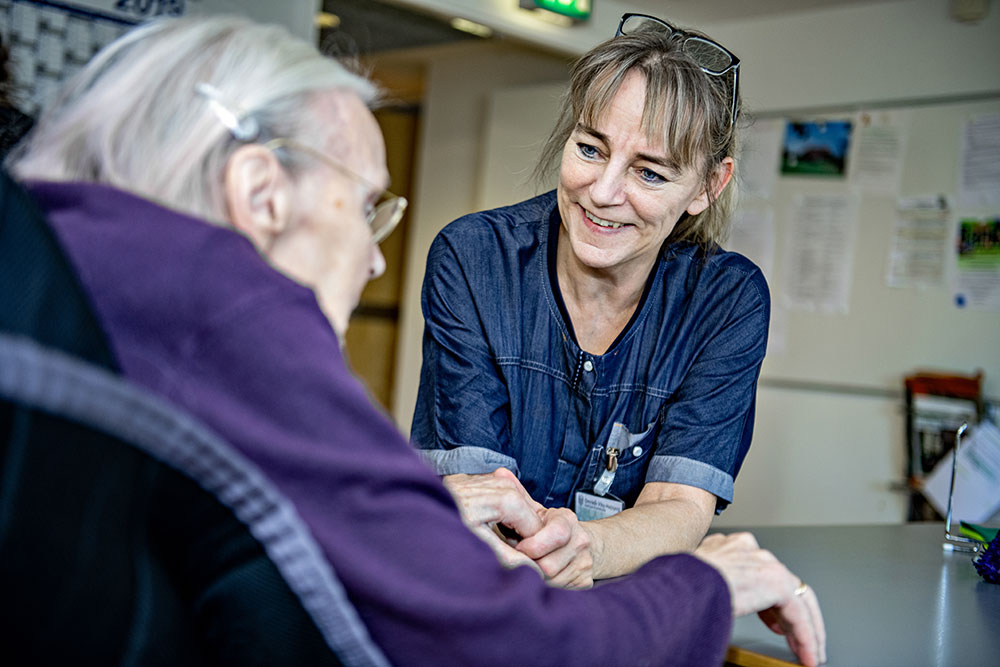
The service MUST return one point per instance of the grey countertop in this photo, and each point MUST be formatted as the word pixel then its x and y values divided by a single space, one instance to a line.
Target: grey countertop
pixel 890 596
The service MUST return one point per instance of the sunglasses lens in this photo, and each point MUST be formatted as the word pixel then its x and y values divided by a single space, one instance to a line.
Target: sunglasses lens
pixel 709 55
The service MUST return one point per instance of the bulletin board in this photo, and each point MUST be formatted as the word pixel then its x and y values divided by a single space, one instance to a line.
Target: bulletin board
pixel 878 333
pixel 886 332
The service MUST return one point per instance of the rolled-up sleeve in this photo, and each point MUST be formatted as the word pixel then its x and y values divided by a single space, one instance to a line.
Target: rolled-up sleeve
pixel 461 420
pixel 708 423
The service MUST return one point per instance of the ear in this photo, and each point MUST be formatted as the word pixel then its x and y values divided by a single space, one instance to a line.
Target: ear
pixel 720 179
pixel 259 195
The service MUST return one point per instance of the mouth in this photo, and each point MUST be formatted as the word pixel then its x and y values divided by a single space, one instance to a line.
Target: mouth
pixel 600 222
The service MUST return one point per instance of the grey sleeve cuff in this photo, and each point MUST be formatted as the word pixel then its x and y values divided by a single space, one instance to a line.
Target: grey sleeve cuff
pixel 468 460
pixel 679 470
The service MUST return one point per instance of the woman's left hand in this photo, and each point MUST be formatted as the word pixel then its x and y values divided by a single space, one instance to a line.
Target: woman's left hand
pixel 562 548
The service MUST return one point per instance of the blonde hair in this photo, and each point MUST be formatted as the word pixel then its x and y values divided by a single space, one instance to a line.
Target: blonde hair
pixel 685 108
pixel 134 119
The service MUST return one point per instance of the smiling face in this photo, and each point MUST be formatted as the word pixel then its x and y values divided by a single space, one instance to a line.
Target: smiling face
pixel 619 193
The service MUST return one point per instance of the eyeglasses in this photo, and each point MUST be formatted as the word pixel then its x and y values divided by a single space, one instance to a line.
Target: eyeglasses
pixel 384 214
pixel 713 58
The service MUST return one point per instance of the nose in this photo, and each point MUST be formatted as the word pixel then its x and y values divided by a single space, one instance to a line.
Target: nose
pixel 608 188
pixel 377 267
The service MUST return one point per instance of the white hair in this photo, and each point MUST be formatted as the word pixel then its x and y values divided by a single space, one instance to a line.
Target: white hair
pixel 134 118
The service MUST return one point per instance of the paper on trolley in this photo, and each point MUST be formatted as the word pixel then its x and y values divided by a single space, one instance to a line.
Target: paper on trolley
pixel 977 477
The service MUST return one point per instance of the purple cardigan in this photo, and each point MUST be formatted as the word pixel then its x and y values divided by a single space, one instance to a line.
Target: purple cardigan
pixel 194 314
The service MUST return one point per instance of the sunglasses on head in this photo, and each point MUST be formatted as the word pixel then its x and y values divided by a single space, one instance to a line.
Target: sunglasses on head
pixel 713 58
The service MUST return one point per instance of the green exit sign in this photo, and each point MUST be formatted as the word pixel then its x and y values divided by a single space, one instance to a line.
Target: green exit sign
pixel 578 10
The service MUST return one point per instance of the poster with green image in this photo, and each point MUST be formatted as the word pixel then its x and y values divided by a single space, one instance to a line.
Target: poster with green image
pixel 979 244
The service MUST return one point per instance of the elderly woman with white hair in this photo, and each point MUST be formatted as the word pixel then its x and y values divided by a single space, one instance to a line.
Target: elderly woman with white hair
pixel 219 187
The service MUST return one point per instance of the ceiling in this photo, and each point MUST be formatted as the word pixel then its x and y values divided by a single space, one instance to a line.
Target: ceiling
pixel 369 26
pixel 374 26
pixel 698 12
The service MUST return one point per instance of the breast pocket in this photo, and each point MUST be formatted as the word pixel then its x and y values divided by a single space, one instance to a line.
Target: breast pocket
pixel 634 454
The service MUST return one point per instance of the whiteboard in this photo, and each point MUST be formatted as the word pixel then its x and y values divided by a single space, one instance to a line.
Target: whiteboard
pixel 886 333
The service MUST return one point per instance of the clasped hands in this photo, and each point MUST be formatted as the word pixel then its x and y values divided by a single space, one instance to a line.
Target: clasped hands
pixel 555 543
pixel 521 531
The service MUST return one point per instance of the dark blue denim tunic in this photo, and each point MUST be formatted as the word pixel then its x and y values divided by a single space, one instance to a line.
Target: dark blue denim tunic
pixel 504 382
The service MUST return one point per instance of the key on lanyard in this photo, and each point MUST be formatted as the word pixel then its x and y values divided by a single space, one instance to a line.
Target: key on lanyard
pixel 608 474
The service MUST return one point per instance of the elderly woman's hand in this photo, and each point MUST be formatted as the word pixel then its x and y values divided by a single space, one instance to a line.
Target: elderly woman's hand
pixel 498 510
pixel 759 582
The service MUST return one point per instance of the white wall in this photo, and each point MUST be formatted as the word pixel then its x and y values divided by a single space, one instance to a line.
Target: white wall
pixel 816 458
pixel 863 53
pixel 820 459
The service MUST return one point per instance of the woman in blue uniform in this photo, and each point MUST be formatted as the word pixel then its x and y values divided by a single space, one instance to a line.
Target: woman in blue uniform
pixel 594 345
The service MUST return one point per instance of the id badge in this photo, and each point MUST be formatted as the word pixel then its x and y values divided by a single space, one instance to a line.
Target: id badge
pixel 589 506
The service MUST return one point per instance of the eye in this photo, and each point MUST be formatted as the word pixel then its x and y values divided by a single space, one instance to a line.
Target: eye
pixel 587 151
pixel 649 176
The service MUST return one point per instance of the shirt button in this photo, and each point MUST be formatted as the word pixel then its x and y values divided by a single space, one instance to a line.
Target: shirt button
pixel 588 365
pixel 637 451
